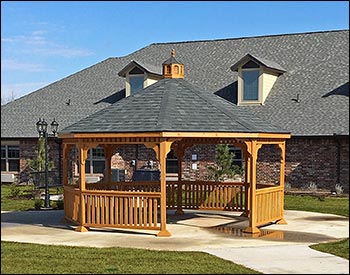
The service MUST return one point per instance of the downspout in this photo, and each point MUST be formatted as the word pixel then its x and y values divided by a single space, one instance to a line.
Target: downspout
pixel 338 156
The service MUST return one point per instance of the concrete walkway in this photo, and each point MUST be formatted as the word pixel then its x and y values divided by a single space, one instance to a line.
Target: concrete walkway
pixel 279 249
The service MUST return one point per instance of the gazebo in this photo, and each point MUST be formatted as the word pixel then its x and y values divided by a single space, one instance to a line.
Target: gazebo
pixel 170 114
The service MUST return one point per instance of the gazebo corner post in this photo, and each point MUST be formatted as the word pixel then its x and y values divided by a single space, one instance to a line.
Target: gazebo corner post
pixel 82 157
pixel 253 154
pixel 65 155
pixel 179 152
pixel 245 212
pixel 164 148
pixel 282 147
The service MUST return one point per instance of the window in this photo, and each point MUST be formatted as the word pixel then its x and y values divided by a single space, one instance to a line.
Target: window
pixel 95 162
pixel 171 162
pixel 250 84
pixel 9 158
pixel 136 83
pixel 238 155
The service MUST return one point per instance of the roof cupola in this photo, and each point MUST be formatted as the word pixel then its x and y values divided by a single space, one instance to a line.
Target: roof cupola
pixel 172 68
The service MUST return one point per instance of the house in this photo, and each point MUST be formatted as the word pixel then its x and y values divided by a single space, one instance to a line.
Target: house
pixel 297 82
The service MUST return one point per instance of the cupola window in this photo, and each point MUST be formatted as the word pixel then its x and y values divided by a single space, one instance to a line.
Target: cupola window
pixel 172 68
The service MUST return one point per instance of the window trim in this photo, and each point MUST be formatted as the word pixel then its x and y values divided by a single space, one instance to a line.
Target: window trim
pixel 7 158
pixel 240 95
pixel 241 86
pixel 244 84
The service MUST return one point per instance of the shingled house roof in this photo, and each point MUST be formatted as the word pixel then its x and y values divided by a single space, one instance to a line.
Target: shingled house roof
pixel 172 105
pixel 266 63
pixel 316 70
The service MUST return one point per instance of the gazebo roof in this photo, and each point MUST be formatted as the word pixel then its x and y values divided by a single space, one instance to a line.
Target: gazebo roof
pixel 172 105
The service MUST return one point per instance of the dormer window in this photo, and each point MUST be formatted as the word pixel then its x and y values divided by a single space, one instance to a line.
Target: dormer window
pixel 250 84
pixel 139 76
pixel 250 78
pixel 256 77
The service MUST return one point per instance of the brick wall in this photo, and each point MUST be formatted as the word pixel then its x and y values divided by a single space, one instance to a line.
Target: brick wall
pixel 308 160
pixel 315 160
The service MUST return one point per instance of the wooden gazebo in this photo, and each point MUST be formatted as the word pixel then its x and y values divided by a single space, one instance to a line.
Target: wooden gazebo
pixel 170 114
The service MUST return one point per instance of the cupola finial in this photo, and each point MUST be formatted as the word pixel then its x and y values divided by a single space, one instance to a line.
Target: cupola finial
pixel 173 53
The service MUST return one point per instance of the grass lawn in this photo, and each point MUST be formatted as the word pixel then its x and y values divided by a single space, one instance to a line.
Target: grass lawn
pixel 24 258
pixel 34 258
pixel 329 205
pixel 339 248
pixel 24 199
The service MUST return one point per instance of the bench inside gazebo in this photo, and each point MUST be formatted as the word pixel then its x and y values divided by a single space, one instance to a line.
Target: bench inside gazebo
pixel 170 114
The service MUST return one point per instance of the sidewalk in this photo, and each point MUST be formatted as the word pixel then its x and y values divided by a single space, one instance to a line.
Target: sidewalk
pixel 280 249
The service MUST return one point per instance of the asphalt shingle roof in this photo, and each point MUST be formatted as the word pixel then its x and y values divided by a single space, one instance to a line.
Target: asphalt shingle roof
pixel 267 63
pixel 147 67
pixel 316 64
pixel 172 105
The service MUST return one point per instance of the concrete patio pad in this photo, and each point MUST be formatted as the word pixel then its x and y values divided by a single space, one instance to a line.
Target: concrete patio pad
pixel 279 249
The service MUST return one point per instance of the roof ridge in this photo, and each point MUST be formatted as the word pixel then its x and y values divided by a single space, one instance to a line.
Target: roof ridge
pixel 244 37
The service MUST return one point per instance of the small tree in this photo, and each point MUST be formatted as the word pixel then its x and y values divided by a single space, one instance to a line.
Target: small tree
pixel 224 167
pixel 37 164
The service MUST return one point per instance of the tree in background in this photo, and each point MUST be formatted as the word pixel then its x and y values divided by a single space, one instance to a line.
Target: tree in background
pixel 224 167
pixel 37 164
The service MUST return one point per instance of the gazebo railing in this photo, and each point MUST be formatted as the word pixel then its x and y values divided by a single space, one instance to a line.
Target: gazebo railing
pixel 109 208
pixel 269 204
pixel 193 194
pixel 136 204
pixel 122 209
pixel 71 203
pixel 206 195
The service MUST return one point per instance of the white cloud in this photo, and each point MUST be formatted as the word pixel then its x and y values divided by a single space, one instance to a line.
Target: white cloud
pixel 10 64
pixel 58 50
pixel 37 42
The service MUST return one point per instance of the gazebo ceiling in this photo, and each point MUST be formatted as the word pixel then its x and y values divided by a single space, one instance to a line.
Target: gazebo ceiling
pixel 172 105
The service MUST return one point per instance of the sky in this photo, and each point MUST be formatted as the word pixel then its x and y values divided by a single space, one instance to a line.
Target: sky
pixel 45 41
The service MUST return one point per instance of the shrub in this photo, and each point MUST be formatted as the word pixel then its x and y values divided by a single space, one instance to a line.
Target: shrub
pixel 15 190
pixel 287 186
pixel 59 204
pixel 312 187
pixel 38 204
pixel 339 189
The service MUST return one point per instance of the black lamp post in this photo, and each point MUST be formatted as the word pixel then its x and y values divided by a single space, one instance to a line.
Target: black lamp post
pixel 41 126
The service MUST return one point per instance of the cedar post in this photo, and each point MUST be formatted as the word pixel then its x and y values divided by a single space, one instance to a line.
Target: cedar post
pixel 164 148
